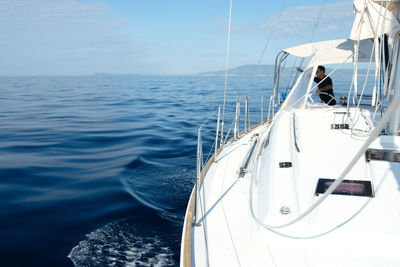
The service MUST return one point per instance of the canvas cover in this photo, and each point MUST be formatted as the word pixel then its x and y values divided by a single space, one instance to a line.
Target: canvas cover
pixel 373 20
pixel 334 51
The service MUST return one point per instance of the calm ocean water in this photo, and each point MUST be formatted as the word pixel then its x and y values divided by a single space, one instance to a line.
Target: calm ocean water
pixel 98 170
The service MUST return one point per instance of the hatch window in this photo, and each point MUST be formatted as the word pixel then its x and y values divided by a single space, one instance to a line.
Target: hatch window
pixel 382 154
pixel 346 187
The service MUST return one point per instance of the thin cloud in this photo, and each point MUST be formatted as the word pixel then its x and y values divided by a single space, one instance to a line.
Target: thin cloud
pixel 62 37
pixel 55 18
pixel 335 21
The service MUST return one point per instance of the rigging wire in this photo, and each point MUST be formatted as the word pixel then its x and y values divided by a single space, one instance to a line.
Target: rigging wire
pixel 302 60
pixel 226 68
pixel 381 56
pixel 265 47
pixel 378 58
pixel 355 59
pixel 311 37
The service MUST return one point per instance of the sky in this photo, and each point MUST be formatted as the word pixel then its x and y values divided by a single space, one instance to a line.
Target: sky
pixel 157 37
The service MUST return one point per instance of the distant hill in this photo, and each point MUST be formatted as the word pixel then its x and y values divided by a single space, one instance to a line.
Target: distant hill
pixel 268 70
pixel 245 70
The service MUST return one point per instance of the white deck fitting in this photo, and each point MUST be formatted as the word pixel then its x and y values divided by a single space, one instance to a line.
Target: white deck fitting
pixel 343 231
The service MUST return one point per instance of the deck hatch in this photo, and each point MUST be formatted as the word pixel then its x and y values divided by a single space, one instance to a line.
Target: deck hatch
pixel 346 187
pixel 382 154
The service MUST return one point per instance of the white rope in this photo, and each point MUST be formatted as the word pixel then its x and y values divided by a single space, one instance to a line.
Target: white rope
pixel 356 116
pixel 354 78
pixel 226 68
pixel 355 67
pixel 379 47
pixel 386 78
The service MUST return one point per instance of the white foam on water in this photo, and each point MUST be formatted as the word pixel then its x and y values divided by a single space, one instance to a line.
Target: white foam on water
pixel 122 244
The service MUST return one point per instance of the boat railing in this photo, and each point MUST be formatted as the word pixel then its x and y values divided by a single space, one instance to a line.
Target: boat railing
pixel 222 138
pixel 196 212
pixel 217 145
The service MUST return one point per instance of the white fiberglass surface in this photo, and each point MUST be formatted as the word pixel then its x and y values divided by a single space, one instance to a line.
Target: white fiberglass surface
pixel 229 236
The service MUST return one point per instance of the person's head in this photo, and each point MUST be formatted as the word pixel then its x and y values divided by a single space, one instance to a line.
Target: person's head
pixel 321 72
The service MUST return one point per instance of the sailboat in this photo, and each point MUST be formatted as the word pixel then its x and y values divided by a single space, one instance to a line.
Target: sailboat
pixel 317 184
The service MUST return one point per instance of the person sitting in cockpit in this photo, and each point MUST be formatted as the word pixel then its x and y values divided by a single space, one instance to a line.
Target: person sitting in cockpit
pixel 325 88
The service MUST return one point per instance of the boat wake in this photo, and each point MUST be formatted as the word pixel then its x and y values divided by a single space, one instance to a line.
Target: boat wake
pixel 160 186
pixel 142 240
pixel 122 243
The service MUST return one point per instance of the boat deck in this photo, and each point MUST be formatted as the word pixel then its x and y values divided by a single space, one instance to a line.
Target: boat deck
pixel 342 231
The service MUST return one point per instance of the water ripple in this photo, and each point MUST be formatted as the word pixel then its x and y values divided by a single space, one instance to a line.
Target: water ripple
pixel 77 153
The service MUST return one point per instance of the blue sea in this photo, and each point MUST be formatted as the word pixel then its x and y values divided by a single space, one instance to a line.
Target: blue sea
pixel 98 170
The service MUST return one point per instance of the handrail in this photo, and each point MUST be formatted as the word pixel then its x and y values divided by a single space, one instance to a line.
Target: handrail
pixel 243 169
pixel 282 55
